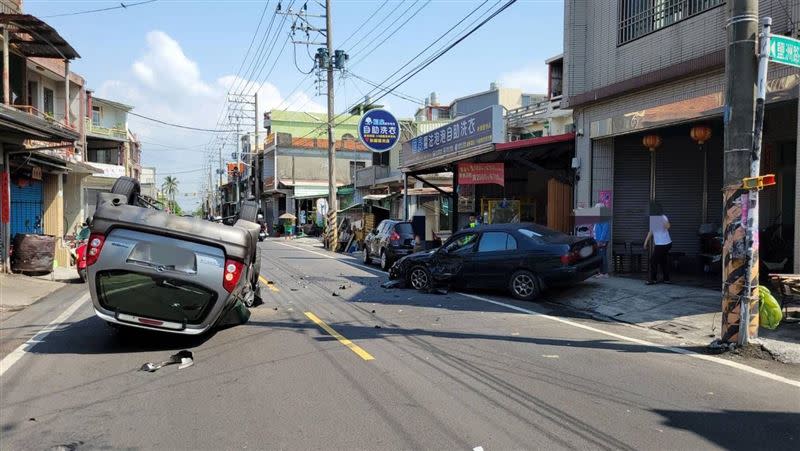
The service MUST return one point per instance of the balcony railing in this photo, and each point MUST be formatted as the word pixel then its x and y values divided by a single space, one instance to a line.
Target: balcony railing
pixel 43 115
pixel 368 176
pixel 96 130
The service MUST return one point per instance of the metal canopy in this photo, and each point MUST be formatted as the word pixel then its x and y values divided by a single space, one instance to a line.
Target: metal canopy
pixel 31 37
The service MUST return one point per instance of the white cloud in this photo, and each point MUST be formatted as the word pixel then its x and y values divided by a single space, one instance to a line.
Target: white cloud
pixel 531 79
pixel 166 84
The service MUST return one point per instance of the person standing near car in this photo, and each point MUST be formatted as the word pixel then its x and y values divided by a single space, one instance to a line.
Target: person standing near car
pixel 601 234
pixel 661 241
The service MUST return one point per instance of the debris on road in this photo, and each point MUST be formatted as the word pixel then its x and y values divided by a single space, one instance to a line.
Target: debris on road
pixel 391 284
pixel 183 359
pixel 377 327
pixel 334 294
pixel 342 287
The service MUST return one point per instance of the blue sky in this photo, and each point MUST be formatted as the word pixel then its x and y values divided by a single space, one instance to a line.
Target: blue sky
pixel 176 59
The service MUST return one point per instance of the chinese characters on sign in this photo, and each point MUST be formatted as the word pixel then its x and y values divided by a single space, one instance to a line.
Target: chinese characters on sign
pixel 784 50
pixel 484 127
pixel 378 130
pixel 481 173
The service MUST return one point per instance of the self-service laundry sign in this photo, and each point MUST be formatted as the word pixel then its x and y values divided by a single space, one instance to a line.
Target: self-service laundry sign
pixel 379 130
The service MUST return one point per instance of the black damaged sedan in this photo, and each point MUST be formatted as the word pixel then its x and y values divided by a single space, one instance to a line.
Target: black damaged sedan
pixel 521 258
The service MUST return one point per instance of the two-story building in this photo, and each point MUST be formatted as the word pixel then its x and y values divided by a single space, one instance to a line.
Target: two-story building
pixel 110 147
pixel 41 134
pixel 645 81
pixel 294 161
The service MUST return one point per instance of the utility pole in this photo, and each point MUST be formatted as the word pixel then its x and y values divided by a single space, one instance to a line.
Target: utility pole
pixel 238 173
pixel 256 166
pixel 334 235
pixel 740 279
pixel 326 60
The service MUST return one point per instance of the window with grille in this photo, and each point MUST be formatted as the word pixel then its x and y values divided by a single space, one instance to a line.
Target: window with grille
pixel 640 17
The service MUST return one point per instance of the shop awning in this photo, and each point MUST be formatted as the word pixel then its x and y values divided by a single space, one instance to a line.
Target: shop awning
pixel 310 192
pixel 30 126
pixel 376 196
pixel 535 142
pixel 429 191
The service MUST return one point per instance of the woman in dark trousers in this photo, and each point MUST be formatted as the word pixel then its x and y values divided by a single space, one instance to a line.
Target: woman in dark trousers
pixel 662 243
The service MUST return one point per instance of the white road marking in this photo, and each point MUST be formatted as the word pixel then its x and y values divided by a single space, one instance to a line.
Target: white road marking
pixel 307 250
pixel 686 352
pixel 477 448
pixel 12 358
pixel 329 256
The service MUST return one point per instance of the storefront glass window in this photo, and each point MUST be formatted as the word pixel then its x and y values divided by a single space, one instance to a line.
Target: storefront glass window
pixel 445 221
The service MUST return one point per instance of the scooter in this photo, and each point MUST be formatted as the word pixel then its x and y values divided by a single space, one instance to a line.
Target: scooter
pixel 79 252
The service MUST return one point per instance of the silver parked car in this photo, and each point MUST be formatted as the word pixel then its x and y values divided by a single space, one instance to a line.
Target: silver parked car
pixel 154 270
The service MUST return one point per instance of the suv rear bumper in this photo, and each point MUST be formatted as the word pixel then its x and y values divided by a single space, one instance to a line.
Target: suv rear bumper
pixel 187 329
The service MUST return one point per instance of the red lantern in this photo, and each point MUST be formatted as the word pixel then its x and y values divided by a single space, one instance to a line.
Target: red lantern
pixel 652 142
pixel 700 134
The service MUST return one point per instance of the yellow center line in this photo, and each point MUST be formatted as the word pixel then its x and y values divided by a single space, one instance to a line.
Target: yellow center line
pixel 269 285
pixel 353 347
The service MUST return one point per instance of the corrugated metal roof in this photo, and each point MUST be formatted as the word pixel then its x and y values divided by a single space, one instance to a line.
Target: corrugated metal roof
pixel 30 36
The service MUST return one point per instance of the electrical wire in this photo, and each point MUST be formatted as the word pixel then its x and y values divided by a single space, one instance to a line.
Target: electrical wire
pixel 364 39
pixel 426 49
pixel 185 127
pixel 396 94
pixel 378 38
pixel 90 11
pixel 294 51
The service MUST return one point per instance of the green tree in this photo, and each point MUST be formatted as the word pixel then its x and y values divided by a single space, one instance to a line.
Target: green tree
pixel 170 187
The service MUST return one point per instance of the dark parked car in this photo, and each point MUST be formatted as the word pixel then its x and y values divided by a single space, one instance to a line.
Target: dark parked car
pixel 388 242
pixel 522 258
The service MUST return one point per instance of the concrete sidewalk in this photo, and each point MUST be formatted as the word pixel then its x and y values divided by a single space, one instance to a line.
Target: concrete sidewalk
pixel 18 291
pixel 690 313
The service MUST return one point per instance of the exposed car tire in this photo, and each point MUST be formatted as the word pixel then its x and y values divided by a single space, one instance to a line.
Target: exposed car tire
pixel 128 187
pixel 249 211
pixel 385 262
pixel 524 285
pixel 367 258
pixel 82 275
pixel 419 277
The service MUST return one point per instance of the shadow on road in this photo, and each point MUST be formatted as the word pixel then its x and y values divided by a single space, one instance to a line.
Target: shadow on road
pixel 739 429
pixel 93 336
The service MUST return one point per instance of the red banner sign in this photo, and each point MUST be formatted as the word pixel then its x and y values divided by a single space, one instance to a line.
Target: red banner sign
pixel 481 173
pixel 5 200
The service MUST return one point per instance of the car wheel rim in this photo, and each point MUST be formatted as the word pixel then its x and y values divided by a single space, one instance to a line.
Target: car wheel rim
pixel 524 285
pixel 419 279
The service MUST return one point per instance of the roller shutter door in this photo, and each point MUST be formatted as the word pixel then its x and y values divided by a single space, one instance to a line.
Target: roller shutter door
pixel 679 189
pixel 26 207
pixel 631 190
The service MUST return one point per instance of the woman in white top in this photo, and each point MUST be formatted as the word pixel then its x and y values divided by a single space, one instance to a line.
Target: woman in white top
pixel 659 234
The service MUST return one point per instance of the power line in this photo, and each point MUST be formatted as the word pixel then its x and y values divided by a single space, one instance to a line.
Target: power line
pixel 362 57
pixel 396 94
pixel 185 127
pixel 90 11
pixel 423 51
pixel 253 39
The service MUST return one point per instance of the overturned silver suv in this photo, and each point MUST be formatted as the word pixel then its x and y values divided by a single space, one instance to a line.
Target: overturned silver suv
pixel 154 270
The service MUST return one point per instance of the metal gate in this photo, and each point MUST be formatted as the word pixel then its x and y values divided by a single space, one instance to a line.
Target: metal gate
pixel 26 207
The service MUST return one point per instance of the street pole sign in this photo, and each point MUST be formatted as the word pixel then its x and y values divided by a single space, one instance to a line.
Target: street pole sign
pixel 784 50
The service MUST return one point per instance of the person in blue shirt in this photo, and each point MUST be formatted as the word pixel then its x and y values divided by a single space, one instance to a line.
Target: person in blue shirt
pixel 601 234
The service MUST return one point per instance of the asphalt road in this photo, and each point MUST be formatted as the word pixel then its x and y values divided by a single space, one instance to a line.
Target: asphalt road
pixel 334 361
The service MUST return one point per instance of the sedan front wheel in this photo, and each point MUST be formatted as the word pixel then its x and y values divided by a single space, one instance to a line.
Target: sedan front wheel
pixel 419 278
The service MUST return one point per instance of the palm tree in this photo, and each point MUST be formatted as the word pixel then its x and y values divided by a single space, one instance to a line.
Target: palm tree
pixel 170 188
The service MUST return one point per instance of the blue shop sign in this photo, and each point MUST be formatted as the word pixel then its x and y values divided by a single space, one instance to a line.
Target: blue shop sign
pixel 456 138
pixel 379 130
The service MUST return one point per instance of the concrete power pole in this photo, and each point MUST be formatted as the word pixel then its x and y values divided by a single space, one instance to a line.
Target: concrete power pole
pixel 254 150
pixel 332 224
pixel 740 280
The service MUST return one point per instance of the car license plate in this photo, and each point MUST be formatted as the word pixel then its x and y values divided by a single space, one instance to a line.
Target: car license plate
pixel 586 251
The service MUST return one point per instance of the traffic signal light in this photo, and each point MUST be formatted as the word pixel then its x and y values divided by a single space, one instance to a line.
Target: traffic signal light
pixel 758 182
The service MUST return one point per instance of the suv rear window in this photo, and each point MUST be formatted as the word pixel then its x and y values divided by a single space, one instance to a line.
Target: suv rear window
pixel 404 228
pixel 154 297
